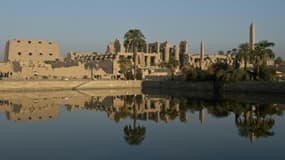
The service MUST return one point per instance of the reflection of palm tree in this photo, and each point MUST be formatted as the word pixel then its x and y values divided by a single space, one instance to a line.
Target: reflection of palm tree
pixel 136 134
pixel 251 126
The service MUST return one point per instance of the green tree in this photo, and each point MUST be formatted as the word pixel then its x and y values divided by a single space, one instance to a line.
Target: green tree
pixel 91 65
pixel 125 66
pixel 243 54
pixel 221 53
pixel 134 39
pixel 278 61
pixel 263 51
pixel 139 74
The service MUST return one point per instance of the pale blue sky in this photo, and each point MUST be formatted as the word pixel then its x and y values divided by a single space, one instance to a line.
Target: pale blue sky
pixel 88 25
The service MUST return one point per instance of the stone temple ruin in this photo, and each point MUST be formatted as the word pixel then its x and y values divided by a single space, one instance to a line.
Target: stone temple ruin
pixel 41 59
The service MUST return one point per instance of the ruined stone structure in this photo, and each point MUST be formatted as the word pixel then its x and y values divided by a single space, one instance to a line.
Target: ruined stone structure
pixel 32 50
pixel 152 54
pixel 204 61
pixel 41 59
pixel 149 57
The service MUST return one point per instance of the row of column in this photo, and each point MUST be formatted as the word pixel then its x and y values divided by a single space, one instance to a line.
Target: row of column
pixel 145 60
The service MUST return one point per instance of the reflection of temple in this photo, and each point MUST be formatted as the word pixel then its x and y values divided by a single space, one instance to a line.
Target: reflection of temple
pixel 252 120
pixel 45 105
pixel 42 106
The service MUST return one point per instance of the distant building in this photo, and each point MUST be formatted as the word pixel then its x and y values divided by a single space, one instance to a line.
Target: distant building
pixel 41 59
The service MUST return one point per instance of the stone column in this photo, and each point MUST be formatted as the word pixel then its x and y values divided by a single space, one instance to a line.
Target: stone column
pixel 176 52
pixel 157 47
pixel 146 48
pixel 142 59
pixel 157 59
pixel 137 59
pixel 166 52
pixel 148 61
pixel 184 48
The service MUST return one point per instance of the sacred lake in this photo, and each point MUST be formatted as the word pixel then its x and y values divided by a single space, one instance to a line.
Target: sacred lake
pixel 131 124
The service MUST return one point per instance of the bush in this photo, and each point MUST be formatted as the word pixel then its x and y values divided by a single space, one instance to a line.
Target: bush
pixel 85 77
pixel 129 75
pixel 233 75
pixel 194 74
pixel 139 74
pixel 190 74
pixel 267 73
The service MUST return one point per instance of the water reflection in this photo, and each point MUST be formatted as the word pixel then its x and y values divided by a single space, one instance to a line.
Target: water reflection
pixel 253 120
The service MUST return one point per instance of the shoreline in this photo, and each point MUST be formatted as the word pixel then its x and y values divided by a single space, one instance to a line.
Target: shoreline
pixel 211 87
pixel 47 85
pixel 272 87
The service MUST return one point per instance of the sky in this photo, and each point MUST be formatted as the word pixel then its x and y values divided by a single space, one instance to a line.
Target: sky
pixel 89 25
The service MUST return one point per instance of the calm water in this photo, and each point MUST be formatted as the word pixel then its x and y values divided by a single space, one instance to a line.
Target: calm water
pixel 120 124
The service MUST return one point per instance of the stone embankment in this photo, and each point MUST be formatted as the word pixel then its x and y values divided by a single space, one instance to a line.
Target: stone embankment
pixel 161 86
pixel 67 85
pixel 216 87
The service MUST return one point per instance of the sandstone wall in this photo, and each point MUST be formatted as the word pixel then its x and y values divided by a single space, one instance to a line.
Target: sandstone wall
pixel 31 50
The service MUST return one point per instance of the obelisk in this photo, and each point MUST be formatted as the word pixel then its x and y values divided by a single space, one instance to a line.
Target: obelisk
pixel 202 52
pixel 252 36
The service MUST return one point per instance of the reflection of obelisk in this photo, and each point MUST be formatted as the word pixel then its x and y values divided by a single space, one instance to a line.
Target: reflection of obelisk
pixel 202 115
pixel 252 36
pixel 202 52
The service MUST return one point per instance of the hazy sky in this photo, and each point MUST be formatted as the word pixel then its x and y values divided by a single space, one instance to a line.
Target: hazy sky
pixel 88 25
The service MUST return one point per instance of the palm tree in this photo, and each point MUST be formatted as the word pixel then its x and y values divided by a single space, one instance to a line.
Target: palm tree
pixel 125 65
pixel 263 51
pixel 278 61
pixel 134 38
pixel 91 65
pixel 244 53
pixel 221 52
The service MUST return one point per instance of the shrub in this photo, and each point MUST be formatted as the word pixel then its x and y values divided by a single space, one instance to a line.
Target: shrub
pixel 85 77
pixel 129 75
pixel 267 73
pixel 194 74
pixel 139 74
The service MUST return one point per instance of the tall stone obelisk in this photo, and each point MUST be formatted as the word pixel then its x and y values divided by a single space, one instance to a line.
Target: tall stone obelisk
pixel 202 52
pixel 252 36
